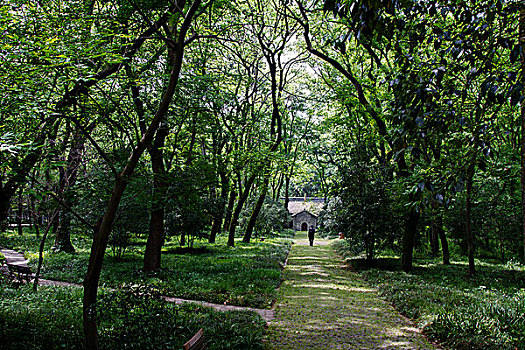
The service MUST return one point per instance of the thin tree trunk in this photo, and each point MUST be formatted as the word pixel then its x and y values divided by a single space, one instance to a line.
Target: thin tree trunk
pixel 443 239
pixel 434 237
pixel 522 139
pixel 68 178
pixel 409 239
pixel 19 213
pixel 229 210
pixel 152 255
pixel 41 252
pixel 35 216
pixel 286 193
pixel 470 233
pixel 217 222
pixel 256 210
pixel 240 204
pixel 103 228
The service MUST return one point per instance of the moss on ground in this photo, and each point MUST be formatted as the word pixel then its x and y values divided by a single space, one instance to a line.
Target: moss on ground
pixel 324 305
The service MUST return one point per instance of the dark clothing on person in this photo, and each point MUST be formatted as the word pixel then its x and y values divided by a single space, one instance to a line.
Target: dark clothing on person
pixel 311 234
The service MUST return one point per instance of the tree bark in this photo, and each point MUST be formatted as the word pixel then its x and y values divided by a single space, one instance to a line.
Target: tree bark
pixel 217 222
pixel 443 239
pixel 41 252
pixel 468 218
pixel 434 237
pixel 229 210
pixel 103 228
pixel 240 204
pixel 68 178
pixel 152 255
pixel 256 210
pixel 522 138
pixel 19 213
pixel 408 239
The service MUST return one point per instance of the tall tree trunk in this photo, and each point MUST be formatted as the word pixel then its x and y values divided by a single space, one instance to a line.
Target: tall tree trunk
pixel 286 193
pixel 277 191
pixel 409 239
pixel 63 234
pixel 434 237
pixel 103 228
pixel 19 212
pixel 152 255
pixel 522 139
pixel 68 178
pixel 35 216
pixel 468 218
pixel 256 210
pixel 443 239
pixel 41 252
pixel 240 204
pixel 229 210
pixel 217 221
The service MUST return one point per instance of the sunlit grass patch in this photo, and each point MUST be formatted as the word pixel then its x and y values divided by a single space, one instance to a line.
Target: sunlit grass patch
pixel 244 275
pixel 481 312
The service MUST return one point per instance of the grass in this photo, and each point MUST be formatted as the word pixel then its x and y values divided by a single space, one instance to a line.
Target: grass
pixel 52 319
pixel 245 275
pixel 481 312
pixel 135 316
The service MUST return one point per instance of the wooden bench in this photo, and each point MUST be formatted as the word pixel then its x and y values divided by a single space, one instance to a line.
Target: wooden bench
pixel 197 342
pixel 20 273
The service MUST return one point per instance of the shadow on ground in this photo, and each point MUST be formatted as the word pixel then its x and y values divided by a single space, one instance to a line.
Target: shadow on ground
pixel 322 305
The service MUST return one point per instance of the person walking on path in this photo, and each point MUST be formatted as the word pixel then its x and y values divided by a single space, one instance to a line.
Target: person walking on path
pixel 311 234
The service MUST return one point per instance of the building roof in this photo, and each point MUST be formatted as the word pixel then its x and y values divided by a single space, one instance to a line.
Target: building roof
pixel 304 211
pixel 312 206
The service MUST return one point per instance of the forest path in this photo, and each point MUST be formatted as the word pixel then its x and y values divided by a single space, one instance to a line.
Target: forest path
pixel 324 305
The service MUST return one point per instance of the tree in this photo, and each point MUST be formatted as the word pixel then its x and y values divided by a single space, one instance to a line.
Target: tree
pixel 105 224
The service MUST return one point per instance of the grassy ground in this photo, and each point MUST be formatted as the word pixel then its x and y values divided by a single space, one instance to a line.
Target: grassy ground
pixel 481 312
pixel 245 275
pixel 323 305
pixel 51 319
pixel 135 316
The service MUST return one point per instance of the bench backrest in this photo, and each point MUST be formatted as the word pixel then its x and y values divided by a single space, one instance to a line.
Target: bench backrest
pixel 197 342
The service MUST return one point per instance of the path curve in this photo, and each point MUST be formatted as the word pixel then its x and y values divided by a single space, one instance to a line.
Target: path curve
pixel 17 258
pixel 324 305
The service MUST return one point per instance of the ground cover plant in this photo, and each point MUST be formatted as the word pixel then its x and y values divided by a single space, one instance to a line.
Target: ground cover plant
pixel 481 312
pixel 245 275
pixel 133 318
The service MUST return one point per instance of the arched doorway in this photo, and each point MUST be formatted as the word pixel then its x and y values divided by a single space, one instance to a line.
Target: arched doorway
pixel 304 226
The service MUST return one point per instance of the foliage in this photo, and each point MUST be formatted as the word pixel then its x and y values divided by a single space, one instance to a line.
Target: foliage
pixel 271 219
pixel 187 207
pixel 363 210
pixel 484 312
pixel 32 321
pixel 247 275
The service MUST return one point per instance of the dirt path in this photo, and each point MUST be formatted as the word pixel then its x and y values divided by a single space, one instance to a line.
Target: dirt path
pixel 323 305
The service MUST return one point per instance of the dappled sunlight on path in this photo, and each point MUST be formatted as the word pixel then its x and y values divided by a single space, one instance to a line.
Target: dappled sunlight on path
pixel 325 306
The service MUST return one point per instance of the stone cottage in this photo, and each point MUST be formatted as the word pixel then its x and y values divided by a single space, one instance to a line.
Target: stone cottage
pixel 303 220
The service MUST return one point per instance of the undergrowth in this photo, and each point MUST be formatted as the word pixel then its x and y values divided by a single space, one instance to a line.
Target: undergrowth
pixel 481 312
pixel 244 275
pixel 133 318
